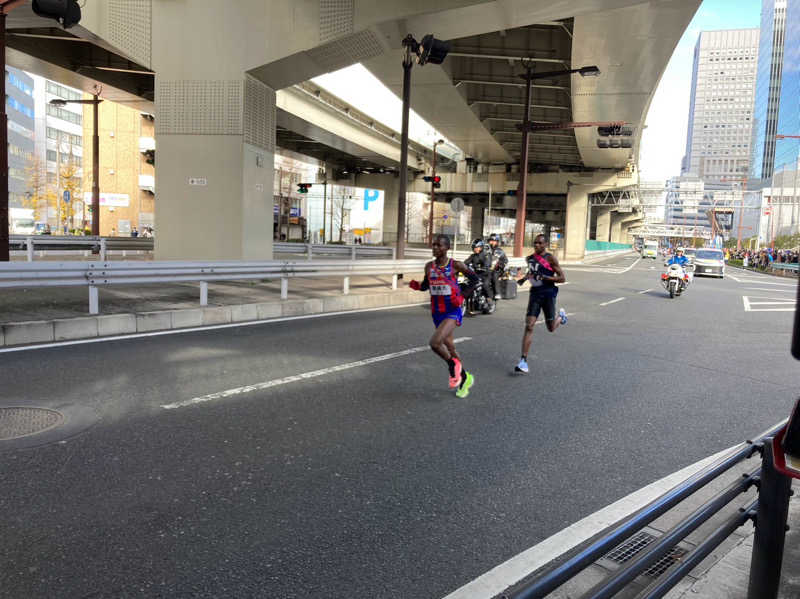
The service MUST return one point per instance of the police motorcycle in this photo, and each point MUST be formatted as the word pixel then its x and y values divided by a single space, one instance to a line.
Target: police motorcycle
pixel 480 301
pixel 677 278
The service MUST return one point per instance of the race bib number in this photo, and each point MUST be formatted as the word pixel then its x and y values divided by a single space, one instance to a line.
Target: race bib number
pixel 536 283
pixel 441 290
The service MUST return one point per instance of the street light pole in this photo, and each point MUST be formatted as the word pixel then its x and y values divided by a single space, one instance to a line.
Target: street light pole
pixel 433 191
pixel 522 190
pixel 95 101
pixel 526 127
pixel 401 202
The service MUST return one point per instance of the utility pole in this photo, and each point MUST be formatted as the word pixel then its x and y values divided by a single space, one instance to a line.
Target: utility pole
pixel 408 44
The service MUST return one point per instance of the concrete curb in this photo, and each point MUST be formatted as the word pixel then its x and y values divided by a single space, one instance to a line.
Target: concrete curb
pixel 87 327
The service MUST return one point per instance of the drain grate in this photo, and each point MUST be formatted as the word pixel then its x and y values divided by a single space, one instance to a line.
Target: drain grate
pixel 22 422
pixel 673 557
pixel 633 546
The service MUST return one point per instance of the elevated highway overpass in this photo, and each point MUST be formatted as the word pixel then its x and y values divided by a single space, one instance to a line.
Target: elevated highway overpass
pixel 227 85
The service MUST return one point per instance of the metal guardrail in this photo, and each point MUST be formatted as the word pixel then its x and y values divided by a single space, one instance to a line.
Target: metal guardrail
pixel 317 249
pixel 99 274
pixel 33 243
pixel 769 512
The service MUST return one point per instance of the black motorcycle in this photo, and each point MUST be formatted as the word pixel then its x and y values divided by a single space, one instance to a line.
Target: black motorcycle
pixel 480 301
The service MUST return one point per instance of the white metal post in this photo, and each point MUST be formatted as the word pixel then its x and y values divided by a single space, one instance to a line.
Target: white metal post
pixel 309 250
pixel 394 253
pixel 394 282
pixel 353 253
pixel 346 288
pixel 94 300
pixel 29 247
pixel 203 293
pixel 103 249
pixel 284 288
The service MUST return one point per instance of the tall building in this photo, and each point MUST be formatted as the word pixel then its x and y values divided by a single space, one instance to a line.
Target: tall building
pixel 787 151
pixel 774 40
pixel 721 106
pixel 58 154
pixel 20 108
pixel 126 167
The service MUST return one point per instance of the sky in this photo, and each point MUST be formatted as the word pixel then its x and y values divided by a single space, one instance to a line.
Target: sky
pixel 664 140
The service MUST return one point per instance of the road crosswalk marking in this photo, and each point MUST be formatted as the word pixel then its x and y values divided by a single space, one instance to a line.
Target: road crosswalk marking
pixel 767 304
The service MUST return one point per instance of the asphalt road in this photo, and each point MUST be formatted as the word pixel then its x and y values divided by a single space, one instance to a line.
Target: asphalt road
pixel 374 480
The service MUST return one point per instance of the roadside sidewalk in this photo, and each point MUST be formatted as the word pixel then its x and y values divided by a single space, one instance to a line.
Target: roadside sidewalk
pixel 727 578
pixel 45 315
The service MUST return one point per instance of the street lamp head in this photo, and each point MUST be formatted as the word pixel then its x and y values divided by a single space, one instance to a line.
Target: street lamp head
pixel 590 71
pixel 432 50
pixel 58 102
pixel 441 141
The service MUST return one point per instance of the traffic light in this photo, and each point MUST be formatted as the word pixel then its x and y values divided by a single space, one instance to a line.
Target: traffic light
pixel 89 209
pixel 437 180
pixel 512 193
pixel 432 50
pixel 66 12
pixel 303 187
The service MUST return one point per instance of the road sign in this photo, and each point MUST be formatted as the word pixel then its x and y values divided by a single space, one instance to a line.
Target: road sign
pixel 66 196
pixel 457 205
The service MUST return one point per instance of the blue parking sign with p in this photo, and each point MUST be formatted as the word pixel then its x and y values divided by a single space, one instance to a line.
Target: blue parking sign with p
pixel 370 195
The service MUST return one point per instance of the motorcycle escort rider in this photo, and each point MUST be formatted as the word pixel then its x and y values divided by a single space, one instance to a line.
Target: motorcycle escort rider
pixel 480 261
pixel 678 258
pixel 499 260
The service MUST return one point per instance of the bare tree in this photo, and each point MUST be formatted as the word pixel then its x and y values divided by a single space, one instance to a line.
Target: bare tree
pixel 340 211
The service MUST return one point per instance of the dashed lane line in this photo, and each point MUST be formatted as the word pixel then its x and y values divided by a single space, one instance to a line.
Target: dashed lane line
pixel 645 291
pixel 614 301
pixel 227 394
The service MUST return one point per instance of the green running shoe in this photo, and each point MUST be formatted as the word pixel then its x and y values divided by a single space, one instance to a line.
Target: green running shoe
pixel 465 386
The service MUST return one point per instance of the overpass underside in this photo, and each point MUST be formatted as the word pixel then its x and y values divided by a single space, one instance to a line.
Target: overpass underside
pixel 229 87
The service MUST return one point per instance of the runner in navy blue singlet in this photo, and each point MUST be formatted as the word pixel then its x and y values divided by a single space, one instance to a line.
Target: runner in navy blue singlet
pixel 543 273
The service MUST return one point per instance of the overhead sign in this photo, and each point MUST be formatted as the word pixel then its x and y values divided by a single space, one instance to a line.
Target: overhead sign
pixel 118 200
pixel 370 195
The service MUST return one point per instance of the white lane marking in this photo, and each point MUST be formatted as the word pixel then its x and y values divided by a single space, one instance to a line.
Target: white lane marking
pixel 632 265
pixel 614 301
pixel 645 291
pixel 763 282
pixel 210 327
pixel 783 304
pixel 300 377
pixel 496 580
pixel 738 280
pixel 772 290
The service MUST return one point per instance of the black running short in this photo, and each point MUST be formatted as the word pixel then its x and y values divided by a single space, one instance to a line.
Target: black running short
pixel 538 302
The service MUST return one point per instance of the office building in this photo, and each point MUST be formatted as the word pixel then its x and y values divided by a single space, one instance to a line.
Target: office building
pixel 721 106
pixel 20 109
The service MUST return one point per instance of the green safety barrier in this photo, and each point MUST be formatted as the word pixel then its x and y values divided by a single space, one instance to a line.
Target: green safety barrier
pixel 593 245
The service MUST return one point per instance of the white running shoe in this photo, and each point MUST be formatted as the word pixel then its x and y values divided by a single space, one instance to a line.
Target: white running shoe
pixel 522 367
pixel 562 314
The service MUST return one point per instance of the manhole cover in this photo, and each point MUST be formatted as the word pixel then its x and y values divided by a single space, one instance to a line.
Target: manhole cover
pixel 21 422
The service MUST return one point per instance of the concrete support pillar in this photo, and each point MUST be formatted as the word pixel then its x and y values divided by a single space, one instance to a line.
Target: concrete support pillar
pixel 577 224
pixel 603 230
pixel 215 134
pixel 616 227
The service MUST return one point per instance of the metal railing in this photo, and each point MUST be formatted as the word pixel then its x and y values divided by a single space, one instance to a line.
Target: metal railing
pixel 769 512
pixel 41 243
pixel 316 249
pixel 101 274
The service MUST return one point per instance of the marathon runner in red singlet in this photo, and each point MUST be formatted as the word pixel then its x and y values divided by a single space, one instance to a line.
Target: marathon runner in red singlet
pixel 441 277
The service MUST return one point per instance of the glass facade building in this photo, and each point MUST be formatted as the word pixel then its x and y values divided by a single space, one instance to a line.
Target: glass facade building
pixel 787 151
pixel 721 108
pixel 20 110
pixel 776 37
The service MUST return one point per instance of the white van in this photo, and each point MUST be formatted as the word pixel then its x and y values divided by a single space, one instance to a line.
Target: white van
pixel 650 249
pixel 21 221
